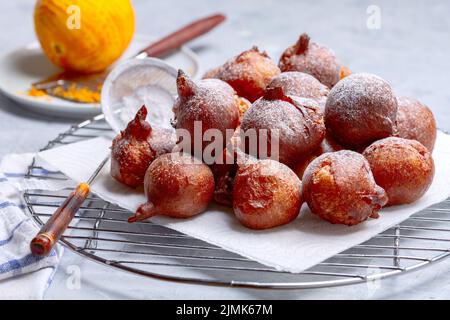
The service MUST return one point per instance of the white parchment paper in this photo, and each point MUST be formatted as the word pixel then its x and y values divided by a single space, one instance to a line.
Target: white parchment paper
pixel 294 247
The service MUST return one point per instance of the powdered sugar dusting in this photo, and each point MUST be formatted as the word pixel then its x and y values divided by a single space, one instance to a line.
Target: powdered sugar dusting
pixel 317 60
pixel 299 125
pixel 361 108
pixel 302 85
pixel 157 100
pixel 416 121
pixel 210 97
pixel 248 73
pixel 209 104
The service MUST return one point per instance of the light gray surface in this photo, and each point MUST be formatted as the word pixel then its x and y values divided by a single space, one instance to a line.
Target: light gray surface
pixel 410 51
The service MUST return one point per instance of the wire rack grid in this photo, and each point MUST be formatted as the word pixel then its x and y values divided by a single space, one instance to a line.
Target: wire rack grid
pixel 100 232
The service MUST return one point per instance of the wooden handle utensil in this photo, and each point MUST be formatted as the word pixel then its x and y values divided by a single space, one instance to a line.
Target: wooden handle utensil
pixel 48 236
pixel 176 39
pixel 50 233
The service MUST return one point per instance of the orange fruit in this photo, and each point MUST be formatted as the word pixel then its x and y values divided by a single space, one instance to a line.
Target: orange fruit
pixel 84 36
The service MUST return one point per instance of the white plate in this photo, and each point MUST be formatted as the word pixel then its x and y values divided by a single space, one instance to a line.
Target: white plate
pixel 24 66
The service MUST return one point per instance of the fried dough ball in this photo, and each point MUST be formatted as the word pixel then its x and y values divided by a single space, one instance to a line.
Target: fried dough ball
pixel 136 147
pixel 211 102
pixel 328 145
pixel 266 194
pixel 176 185
pixel 309 57
pixel 297 122
pixel 416 121
pixel 248 73
pixel 339 187
pixel 404 168
pixel 361 109
pixel 301 85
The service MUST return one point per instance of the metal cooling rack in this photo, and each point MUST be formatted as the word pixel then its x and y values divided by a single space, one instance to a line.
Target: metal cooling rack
pixel 101 232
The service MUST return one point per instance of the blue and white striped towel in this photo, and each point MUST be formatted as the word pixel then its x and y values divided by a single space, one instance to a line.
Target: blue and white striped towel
pixel 22 275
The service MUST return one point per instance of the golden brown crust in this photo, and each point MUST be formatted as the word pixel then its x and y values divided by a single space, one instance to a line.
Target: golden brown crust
pixel 360 109
pixel 130 159
pixel 404 168
pixel 211 101
pixel 339 187
pixel 248 73
pixel 266 194
pixel 309 57
pixel 328 145
pixel 416 121
pixel 302 85
pixel 297 121
pixel 176 185
pixel 136 147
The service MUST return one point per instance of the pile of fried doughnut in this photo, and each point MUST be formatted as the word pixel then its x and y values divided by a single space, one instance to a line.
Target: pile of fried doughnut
pixel 348 146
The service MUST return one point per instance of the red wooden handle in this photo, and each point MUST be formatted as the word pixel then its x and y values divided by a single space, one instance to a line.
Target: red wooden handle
pixel 178 38
pixel 50 233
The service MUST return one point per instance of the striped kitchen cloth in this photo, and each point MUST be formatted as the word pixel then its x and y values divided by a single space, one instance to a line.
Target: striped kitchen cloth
pixel 22 275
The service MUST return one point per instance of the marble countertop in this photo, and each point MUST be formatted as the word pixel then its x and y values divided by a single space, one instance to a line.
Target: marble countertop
pixel 409 48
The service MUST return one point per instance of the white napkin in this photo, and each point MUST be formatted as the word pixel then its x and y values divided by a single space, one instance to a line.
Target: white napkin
pixel 22 276
pixel 294 247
